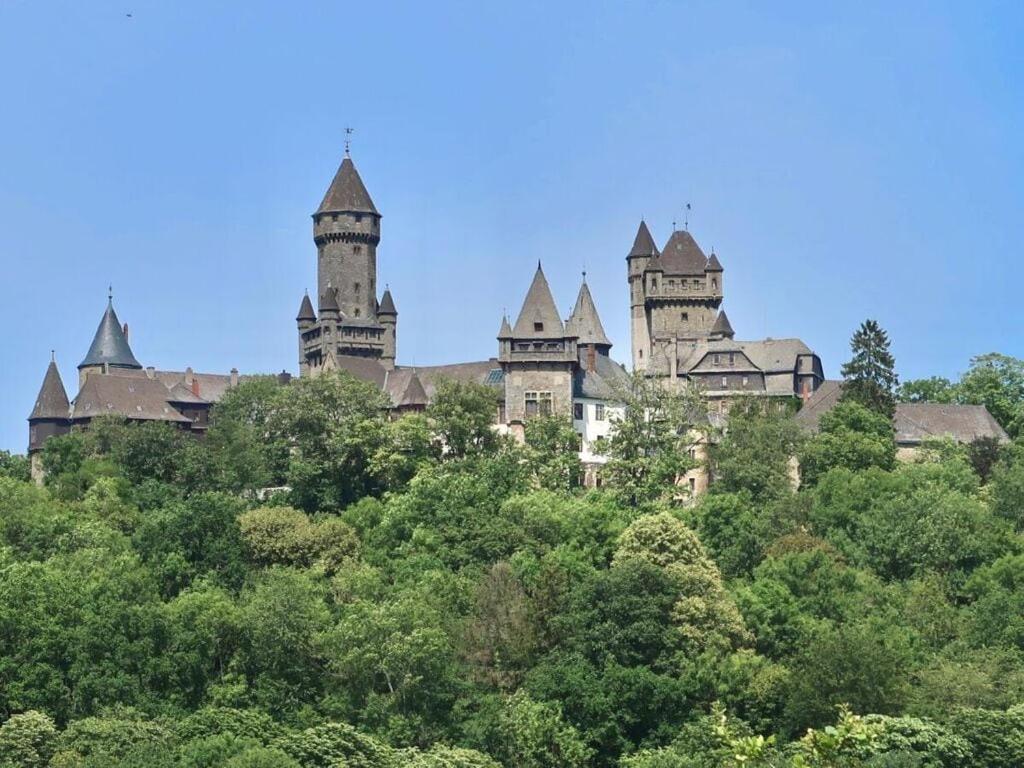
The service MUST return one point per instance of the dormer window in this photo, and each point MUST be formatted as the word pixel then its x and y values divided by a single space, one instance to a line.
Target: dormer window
pixel 538 327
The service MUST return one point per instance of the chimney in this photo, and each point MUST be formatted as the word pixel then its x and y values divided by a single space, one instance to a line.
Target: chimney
pixel 189 376
pixel 234 377
pixel 195 386
pixel 125 331
pixel 150 372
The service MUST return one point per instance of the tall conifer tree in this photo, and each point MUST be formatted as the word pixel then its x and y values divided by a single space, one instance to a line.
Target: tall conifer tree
pixel 870 376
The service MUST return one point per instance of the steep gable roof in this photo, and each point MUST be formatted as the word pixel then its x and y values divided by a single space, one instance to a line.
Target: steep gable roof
pixel 109 345
pixel 682 255
pixel 643 243
pixel 722 325
pixel 538 319
pixel 584 322
pixel 714 265
pixel 916 422
pixel 306 309
pixel 387 304
pixel 347 192
pixel 52 400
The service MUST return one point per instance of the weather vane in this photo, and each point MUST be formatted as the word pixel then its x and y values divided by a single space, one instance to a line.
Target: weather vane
pixel 686 218
pixel 348 140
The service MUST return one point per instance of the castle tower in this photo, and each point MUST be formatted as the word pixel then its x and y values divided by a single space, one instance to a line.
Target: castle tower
pixel 387 316
pixel 640 256
pixel 346 230
pixel 675 297
pixel 49 417
pixel 109 348
pixel 305 319
pixel 585 324
pixel 538 356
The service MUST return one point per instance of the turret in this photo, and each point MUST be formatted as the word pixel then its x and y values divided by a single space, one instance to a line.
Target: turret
pixel 329 309
pixel 585 324
pixel 305 319
pixel 722 329
pixel 109 348
pixel 346 230
pixel 638 260
pixel 50 416
pixel 714 275
pixel 387 316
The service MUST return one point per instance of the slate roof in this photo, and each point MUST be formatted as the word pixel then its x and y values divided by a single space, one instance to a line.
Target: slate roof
pixel 329 301
pixel 479 371
pixel 306 309
pixel 347 193
pixel 714 265
pixel 539 308
pixel 109 345
pixel 505 332
pixel 387 304
pixel 821 401
pixel 643 243
pixel 212 386
pixel 584 322
pixel 132 397
pixel 722 325
pixel 52 400
pixel 603 383
pixel 915 422
pixel 365 368
pixel 682 256
pixel 405 388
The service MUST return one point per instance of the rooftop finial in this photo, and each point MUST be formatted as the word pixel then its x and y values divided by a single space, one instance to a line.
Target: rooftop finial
pixel 686 219
pixel 538 265
pixel 53 356
pixel 348 140
pixel 110 292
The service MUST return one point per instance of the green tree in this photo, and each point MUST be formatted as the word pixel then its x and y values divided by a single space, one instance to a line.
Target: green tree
pixel 14 466
pixel 870 378
pixel 552 452
pixel 852 437
pixel 462 415
pixel 27 740
pixel 934 389
pixel 997 382
pixel 653 444
pixel 533 734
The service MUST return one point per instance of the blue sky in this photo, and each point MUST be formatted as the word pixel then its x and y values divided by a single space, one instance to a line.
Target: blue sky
pixel 844 160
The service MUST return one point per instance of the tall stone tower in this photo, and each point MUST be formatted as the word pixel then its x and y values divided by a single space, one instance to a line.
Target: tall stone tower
pixel 675 298
pixel 351 322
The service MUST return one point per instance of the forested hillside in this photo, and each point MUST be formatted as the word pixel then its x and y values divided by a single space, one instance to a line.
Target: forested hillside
pixel 393 603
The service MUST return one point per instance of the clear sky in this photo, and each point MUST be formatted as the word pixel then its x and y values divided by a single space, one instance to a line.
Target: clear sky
pixel 844 160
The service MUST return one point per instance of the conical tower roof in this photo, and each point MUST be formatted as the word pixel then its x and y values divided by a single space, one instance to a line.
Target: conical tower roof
pixel 306 310
pixel 506 330
pixel 714 265
pixel 722 326
pixel 52 401
pixel 682 255
pixel 329 301
pixel 387 304
pixel 643 243
pixel 109 345
pixel 584 322
pixel 538 319
pixel 347 192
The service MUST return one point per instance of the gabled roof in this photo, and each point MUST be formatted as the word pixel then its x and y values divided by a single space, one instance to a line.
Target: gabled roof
pixel 306 309
pixel 387 304
pixel 714 265
pixel 682 255
pixel 538 319
pixel 130 397
pixel 584 322
pixel 643 243
pixel 916 422
pixel 405 388
pixel 109 345
pixel 52 401
pixel 347 192
pixel 608 380
pixel 722 325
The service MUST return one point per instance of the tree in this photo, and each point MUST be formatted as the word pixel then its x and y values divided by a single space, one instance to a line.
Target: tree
pixel 533 734
pixel 653 444
pixel 27 740
pixel 852 437
pixel 552 452
pixel 934 389
pixel 997 382
pixel 14 466
pixel 755 452
pixel 870 378
pixel 462 415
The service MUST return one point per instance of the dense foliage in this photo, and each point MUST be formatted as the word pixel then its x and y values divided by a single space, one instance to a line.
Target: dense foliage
pixel 316 585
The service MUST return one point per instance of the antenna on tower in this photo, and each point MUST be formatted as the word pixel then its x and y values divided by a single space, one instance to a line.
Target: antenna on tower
pixel 348 140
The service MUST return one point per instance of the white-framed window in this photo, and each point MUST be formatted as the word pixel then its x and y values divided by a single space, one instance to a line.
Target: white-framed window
pixel 599 412
pixel 538 403
pixel 725 382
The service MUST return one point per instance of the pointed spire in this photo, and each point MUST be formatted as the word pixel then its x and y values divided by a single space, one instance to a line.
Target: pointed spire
pixel 584 322
pixel 539 319
pixel 387 304
pixel 643 243
pixel 347 193
pixel 329 301
pixel 109 345
pixel 306 310
pixel 722 326
pixel 506 330
pixel 52 401
pixel 714 265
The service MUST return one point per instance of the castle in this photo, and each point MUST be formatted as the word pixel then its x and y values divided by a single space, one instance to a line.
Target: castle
pixel 544 364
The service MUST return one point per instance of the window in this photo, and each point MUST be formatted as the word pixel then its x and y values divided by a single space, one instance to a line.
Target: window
pixel 732 358
pixel 714 282
pixel 685 317
pixel 538 327
pixel 577 410
pixel 538 403
pixel 693 485
pixel 357 287
pixel 641 354
pixel 693 453
pixel 357 313
pixel 357 249
pixel 744 381
pixel 599 412
pixel 654 284
pixel 359 217
pixel 725 382
pixel 717 359
pixel 579 442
